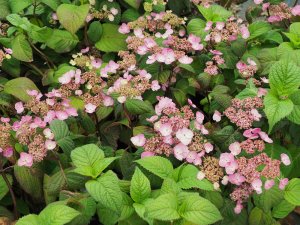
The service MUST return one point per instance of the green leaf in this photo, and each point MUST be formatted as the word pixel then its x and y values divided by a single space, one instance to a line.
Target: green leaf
pixel 214 13
pixel 72 17
pixel 283 209
pixel 276 109
pixel 60 129
pixel 18 88
pixel 229 217
pixel 53 184
pixel 292 191
pixel 136 106
pixel 284 78
pixel 127 208
pixel 295 114
pixel 258 28
pixel 196 27
pixel 268 199
pixel 199 210
pixel 53 4
pixel 163 208
pixel 258 217
pixel 140 188
pixel 95 31
pixel 157 165
pixel 3 186
pixel 111 40
pixel 87 208
pixel 17 6
pixel 187 179
pixel 62 135
pixel 89 160
pixel 12 67
pixel 30 179
pixel 250 91
pixel 130 15
pixel 21 48
pixel 55 214
pixel 295 158
pixel 141 210
pixel 4 9
pixel 133 3
pixel 267 57
pixel 62 41
pixel 106 191
pixel 170 186
pixel 29 219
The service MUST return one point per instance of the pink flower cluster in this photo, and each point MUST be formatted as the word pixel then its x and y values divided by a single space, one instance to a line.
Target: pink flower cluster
pixel 146 30
pixel 54 106
pixel 87 86
pixel 244 112
pixel 245 173
pixel 278 12
pixel 176 131
pixel 252 173
pixel 132 87
pixel 212 66
pixel 226 31
pixel 29 131
pixel 247 70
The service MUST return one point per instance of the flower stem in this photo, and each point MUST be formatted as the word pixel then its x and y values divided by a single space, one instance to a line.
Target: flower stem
pixel 12 194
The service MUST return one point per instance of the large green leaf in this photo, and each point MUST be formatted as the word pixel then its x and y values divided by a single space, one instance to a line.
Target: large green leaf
pixel 295 153
pixel 295 114
pixel 17 6
pixel 136 106
pixel 106 191
pixel 62 41
pixel 258 28
pixel 259 217
pixel 4 9
pixel 72 17
pixel 230 217
pixel 95 31
pixel 89 160
pixel 18 87
pixel 30 179
pixel 284 78
pixel 3 186
pixel 29 219
pixel 21 48
pixel 199 210
pixel 187 179
pixel 53 4
pixel 196 27
pixel 157 165
pixel 267 57
pixel 133 3
pixel 111 40
pixel 163 208
pixel 268 199
pixel 87 208
pixel 62 135
pixel 283 209
pixel 56 214
pixel 276 109
pixel 140 188
pixel 292 191
pixel 214 13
